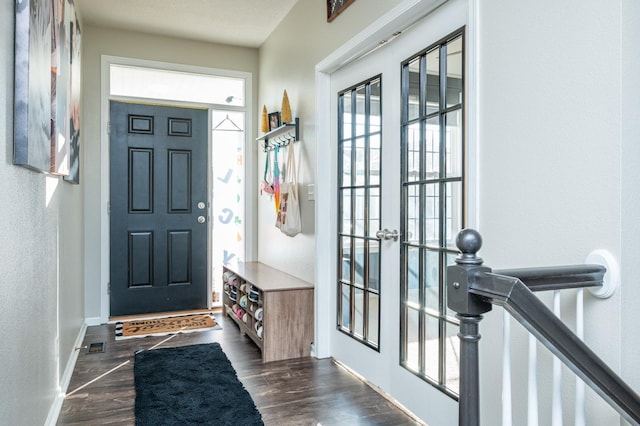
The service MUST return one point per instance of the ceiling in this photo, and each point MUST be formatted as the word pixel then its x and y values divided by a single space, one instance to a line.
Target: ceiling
pixel 236 22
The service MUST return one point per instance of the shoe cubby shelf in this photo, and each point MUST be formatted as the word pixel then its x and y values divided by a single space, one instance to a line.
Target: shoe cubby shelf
pixel 271 307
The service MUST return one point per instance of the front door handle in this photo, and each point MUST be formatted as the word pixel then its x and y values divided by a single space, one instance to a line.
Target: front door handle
pixel 385 234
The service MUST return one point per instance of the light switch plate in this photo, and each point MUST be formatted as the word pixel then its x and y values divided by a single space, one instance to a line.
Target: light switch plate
pixel 311 192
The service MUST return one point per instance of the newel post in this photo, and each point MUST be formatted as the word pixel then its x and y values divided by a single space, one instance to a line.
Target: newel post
pixel 460 279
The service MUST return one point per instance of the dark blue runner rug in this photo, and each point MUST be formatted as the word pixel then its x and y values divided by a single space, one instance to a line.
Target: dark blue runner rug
pixel 190 385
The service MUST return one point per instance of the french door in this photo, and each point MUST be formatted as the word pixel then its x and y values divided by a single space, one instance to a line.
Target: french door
pixel 400 190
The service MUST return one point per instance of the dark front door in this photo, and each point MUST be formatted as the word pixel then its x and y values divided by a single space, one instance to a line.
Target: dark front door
pixel 158 199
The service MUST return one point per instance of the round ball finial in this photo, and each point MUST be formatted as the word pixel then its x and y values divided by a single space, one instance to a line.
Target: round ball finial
pixel 469 242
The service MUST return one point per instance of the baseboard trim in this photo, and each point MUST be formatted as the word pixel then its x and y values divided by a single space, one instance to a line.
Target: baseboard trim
pixel 92 321
pixel 65 379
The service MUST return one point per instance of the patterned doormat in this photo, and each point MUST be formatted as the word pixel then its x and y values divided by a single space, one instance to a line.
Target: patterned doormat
pixel 164 326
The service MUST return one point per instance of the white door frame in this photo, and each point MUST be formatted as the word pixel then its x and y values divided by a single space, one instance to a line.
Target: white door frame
pixel 249 154
pixel 401 17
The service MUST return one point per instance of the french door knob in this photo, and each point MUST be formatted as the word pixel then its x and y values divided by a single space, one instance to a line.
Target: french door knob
pixel 385 234
pixel 201 219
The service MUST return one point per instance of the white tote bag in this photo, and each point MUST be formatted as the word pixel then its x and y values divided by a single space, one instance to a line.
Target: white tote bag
pixel 288 219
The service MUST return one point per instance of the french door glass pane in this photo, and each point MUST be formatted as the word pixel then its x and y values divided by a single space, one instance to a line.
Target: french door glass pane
pixel 413 276
pixel 412 347
pixel 454 212
pixel 359 261
pixel 432 347
pixel 413 101
pixel 433 81
pixel 454 72
pixel 358 313
pixel 412 205
pixel 452 350
pixel 432 280
pixel 432 151
pixel 359 215
pixel 345 303
pixel 373 325
pixel 374 160
pixel 453 121
pixel 375 113
pixel 360 162
pixel 374 265
pixel 451 260
pixel 346 163
pixel 347 120
pixel 432 214
pixel 374 213
pixel 413 152
pixel 360 110
pixel 345 252
pixel 433 207
pixel 346 222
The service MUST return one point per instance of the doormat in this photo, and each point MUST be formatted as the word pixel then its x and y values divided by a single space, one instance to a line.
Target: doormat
pixel 164 326
pixel 190 385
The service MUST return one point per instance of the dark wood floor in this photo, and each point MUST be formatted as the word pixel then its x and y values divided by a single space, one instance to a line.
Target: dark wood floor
pixel 304 391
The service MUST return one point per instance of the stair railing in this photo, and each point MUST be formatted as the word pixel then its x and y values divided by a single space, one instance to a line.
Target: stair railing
pixel 472 290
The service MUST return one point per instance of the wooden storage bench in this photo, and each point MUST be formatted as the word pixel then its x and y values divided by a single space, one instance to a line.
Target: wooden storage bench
pixel 273 308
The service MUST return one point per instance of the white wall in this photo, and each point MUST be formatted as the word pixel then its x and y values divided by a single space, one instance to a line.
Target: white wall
pixel 41 265
pixel 630 153
pixel 101 41
pixel 549 166
pixel 287 61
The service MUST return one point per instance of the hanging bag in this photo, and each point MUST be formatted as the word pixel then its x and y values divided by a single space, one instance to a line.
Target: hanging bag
pixel 288 219
pixel 266 186
pixel 276 179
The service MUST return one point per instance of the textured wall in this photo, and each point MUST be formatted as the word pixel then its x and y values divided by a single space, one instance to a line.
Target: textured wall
pixel 41 265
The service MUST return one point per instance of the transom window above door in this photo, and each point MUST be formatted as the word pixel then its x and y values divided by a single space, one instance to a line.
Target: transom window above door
pixel 359 152
pixel 155 83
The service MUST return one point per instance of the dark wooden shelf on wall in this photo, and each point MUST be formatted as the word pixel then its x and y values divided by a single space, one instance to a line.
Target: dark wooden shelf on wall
pixel 281 136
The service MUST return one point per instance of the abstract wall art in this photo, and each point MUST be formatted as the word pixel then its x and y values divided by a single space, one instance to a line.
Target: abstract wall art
pixel 47 87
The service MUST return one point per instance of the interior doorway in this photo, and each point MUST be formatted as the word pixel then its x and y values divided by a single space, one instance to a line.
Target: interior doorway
pixel 224 95
pixel 351 342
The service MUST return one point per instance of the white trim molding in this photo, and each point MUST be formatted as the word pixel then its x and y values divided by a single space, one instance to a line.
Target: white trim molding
pixel 249 158
pixel 65 379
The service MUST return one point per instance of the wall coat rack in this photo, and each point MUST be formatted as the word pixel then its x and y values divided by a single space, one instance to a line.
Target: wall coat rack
pixel 281 136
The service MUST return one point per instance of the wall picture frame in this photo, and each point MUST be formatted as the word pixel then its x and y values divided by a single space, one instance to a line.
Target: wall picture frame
pixel 336 7
pixel 47 87
pixel 274 120
pixel 32 86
